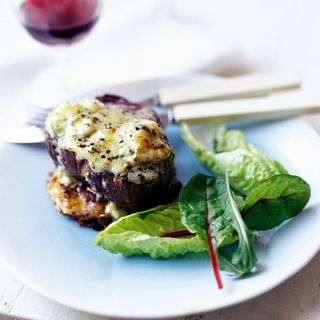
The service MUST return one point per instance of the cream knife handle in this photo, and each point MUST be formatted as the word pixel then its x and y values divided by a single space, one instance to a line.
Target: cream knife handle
pixel 237 87
pixel 253 108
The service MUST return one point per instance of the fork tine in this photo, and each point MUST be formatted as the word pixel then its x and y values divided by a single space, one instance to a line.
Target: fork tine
pixel 37 111
pixel 39 124
pixel 36 116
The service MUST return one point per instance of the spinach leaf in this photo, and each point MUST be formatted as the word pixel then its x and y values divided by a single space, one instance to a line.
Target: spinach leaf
pixel 209 201
pixel 224 152
pixel 275 200
pixel 147 232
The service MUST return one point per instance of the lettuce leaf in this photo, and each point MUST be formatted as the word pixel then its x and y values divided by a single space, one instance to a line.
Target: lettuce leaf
pixel 229 140
pixel 141 233
pixel 223 151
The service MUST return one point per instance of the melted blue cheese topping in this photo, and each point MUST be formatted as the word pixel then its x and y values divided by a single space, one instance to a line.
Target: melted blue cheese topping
pixel 110 137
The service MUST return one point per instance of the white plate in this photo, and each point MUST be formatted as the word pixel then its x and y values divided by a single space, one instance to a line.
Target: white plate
pixel 56 257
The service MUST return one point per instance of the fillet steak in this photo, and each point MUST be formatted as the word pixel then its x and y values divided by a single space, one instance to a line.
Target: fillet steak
pixel 117 148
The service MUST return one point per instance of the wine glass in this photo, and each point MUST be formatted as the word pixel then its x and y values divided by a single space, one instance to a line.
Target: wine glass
pixel 58 23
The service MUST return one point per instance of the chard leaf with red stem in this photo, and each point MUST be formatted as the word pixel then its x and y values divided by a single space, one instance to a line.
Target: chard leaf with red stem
pixel 209 202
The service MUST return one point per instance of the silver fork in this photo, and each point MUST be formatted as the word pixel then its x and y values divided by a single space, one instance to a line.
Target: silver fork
pixel 32 128
pixel 240 87
pixel 36 115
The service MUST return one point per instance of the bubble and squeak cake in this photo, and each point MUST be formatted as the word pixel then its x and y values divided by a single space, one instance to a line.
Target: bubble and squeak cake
pixel 112 158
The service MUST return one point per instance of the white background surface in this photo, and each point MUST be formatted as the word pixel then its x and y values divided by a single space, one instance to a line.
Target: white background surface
pixel 148 38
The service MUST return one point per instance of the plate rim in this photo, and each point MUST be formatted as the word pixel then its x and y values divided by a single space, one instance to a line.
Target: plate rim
pixel 35 287
pixel 143 316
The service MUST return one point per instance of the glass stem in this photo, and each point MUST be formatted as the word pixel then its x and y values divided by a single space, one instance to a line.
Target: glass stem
pixel 51 86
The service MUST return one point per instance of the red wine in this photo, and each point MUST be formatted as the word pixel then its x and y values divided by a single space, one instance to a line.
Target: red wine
pixel 56 22
pixel 54 37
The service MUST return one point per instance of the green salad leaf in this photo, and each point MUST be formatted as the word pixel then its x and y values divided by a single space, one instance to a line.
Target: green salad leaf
pixel 243 258
pixel 224 152
pixel 209 200
pixel 209 207
pixel 275 200
pixel 202 191
pixel 229 140
pixel 142 233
